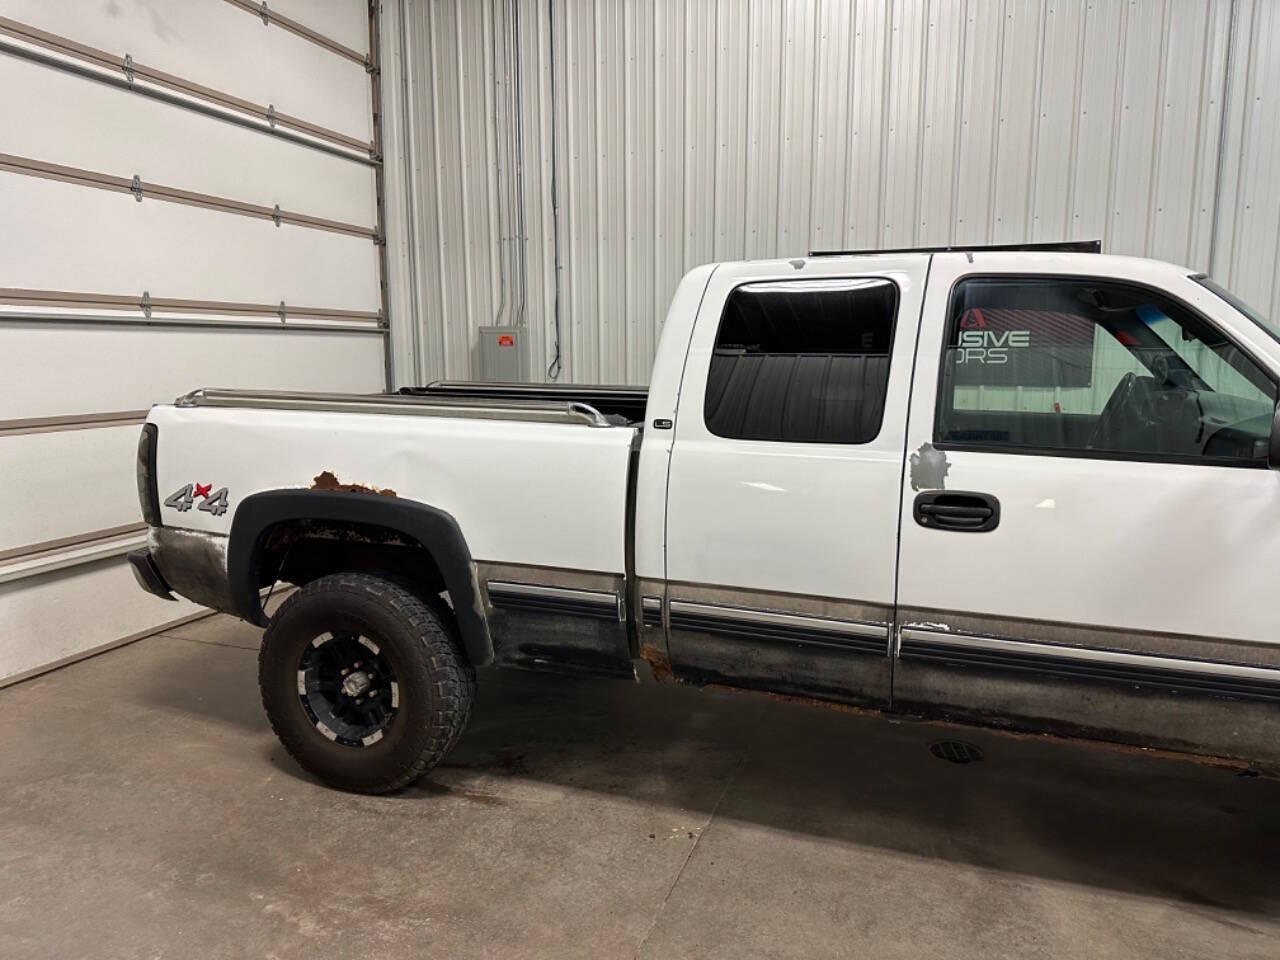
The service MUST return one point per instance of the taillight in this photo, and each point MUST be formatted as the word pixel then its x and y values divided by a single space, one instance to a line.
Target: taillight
pixel 148 494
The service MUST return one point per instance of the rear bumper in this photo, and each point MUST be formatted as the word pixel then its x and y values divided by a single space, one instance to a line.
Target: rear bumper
pixel 148 574
pixel 187 563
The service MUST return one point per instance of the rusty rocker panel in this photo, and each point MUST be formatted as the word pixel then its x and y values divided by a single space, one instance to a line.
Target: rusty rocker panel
pixel 1193 694
pixel 788 643
pixel 548 618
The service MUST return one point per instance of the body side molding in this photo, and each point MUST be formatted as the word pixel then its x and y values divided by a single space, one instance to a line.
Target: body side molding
pixel 434 529
pixel 533 596
pixel 856 636
pixel 651 611
pixel 1190 675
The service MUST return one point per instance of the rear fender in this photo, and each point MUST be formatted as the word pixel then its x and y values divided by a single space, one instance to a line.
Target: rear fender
pixel 434 529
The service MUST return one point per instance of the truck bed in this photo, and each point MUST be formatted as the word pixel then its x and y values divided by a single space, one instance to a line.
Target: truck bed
pixel 531 481
pixel 627 403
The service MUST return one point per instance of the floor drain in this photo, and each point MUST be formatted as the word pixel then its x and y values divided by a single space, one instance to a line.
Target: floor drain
pixel 956 751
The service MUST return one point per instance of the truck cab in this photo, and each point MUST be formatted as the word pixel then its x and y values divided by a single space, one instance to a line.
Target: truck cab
pixel 1024 488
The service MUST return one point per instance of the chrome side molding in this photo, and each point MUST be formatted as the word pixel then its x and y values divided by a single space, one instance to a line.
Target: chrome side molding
pixel 1094 663
pixel 513 595
pixel 858 636
pixel 651 611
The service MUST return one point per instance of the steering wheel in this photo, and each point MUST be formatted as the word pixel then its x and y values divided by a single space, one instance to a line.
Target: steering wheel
pixel 1128 419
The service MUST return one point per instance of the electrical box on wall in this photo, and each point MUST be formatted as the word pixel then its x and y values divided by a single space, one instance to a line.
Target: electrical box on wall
pixel 503 355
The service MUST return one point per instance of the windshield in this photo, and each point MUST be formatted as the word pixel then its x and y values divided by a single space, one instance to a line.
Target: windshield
pixel 1212 285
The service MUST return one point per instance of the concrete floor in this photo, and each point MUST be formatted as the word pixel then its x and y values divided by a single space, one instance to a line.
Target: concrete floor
pixel 146 811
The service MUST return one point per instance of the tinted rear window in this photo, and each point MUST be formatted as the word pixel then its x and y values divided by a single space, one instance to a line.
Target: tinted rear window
pixel 803 361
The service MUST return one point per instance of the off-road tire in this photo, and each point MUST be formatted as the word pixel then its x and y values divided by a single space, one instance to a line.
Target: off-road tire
pixel 436 684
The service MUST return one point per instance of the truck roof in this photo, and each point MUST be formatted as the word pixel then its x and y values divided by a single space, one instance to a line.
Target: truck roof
pixel 1063 246
pixel 1082 255
pixel 1081 259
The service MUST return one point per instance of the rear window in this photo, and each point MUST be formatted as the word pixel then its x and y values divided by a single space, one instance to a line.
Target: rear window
pixel 803 361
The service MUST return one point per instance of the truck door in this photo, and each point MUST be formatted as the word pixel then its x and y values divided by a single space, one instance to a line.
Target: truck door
pixel 1090 532
pixel 785 474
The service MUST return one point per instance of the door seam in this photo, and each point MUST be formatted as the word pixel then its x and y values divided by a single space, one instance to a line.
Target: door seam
pixel 894 627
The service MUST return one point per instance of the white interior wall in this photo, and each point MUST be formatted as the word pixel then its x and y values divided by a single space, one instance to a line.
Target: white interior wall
pixel 694 130
pixel 220 105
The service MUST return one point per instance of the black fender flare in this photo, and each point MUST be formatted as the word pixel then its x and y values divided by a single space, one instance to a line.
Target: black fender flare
pixel 436 530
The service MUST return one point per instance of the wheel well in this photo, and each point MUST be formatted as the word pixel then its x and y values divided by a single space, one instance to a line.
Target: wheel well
pixel 298 535
pixel 299 551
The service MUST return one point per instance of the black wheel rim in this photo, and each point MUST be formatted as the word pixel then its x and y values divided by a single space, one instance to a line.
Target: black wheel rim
pixel 347 688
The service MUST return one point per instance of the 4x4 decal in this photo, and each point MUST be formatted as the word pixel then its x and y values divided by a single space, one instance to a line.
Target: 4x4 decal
pixel 211 501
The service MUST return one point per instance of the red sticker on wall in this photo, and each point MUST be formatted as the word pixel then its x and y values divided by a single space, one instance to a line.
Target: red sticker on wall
pixel 506 340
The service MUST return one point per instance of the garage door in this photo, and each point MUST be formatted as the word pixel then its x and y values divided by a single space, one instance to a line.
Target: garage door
pixel 189 197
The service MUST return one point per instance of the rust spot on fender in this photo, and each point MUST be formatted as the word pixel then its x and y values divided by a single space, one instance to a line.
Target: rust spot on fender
pixel 325 480
pixel 658 664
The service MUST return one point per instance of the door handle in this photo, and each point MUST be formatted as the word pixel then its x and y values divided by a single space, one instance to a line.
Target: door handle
pixel 956 510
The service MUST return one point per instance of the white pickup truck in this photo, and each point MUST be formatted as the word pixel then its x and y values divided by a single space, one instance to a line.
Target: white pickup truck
pixel 1027 488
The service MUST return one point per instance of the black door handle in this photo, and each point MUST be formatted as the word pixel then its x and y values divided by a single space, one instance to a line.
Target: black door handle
pixel 956 510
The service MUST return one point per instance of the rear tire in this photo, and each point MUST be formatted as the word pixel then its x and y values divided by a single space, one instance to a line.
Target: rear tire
pixel 364 683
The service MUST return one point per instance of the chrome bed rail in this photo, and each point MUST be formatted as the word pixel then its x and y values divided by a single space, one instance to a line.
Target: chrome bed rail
pixel 537 411
pixel 612 401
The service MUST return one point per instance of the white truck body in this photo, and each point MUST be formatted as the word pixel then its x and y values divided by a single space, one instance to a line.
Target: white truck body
pixel 526 492
pixel 1120 592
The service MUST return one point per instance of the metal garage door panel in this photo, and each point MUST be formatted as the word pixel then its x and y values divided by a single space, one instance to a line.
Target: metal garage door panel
pixel 72 482
pixel 58 117
pixel 46 619
pixel 69 237
pixel 346 21
pixel 221 46
pixel 49 369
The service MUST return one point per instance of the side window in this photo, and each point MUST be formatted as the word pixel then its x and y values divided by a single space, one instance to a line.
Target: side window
pixel 1094 367
pixel 802 361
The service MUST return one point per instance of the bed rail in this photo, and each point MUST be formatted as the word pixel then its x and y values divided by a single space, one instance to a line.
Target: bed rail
pixel 537 411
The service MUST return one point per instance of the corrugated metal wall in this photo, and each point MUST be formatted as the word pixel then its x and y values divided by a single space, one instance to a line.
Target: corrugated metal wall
pixel 695 130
